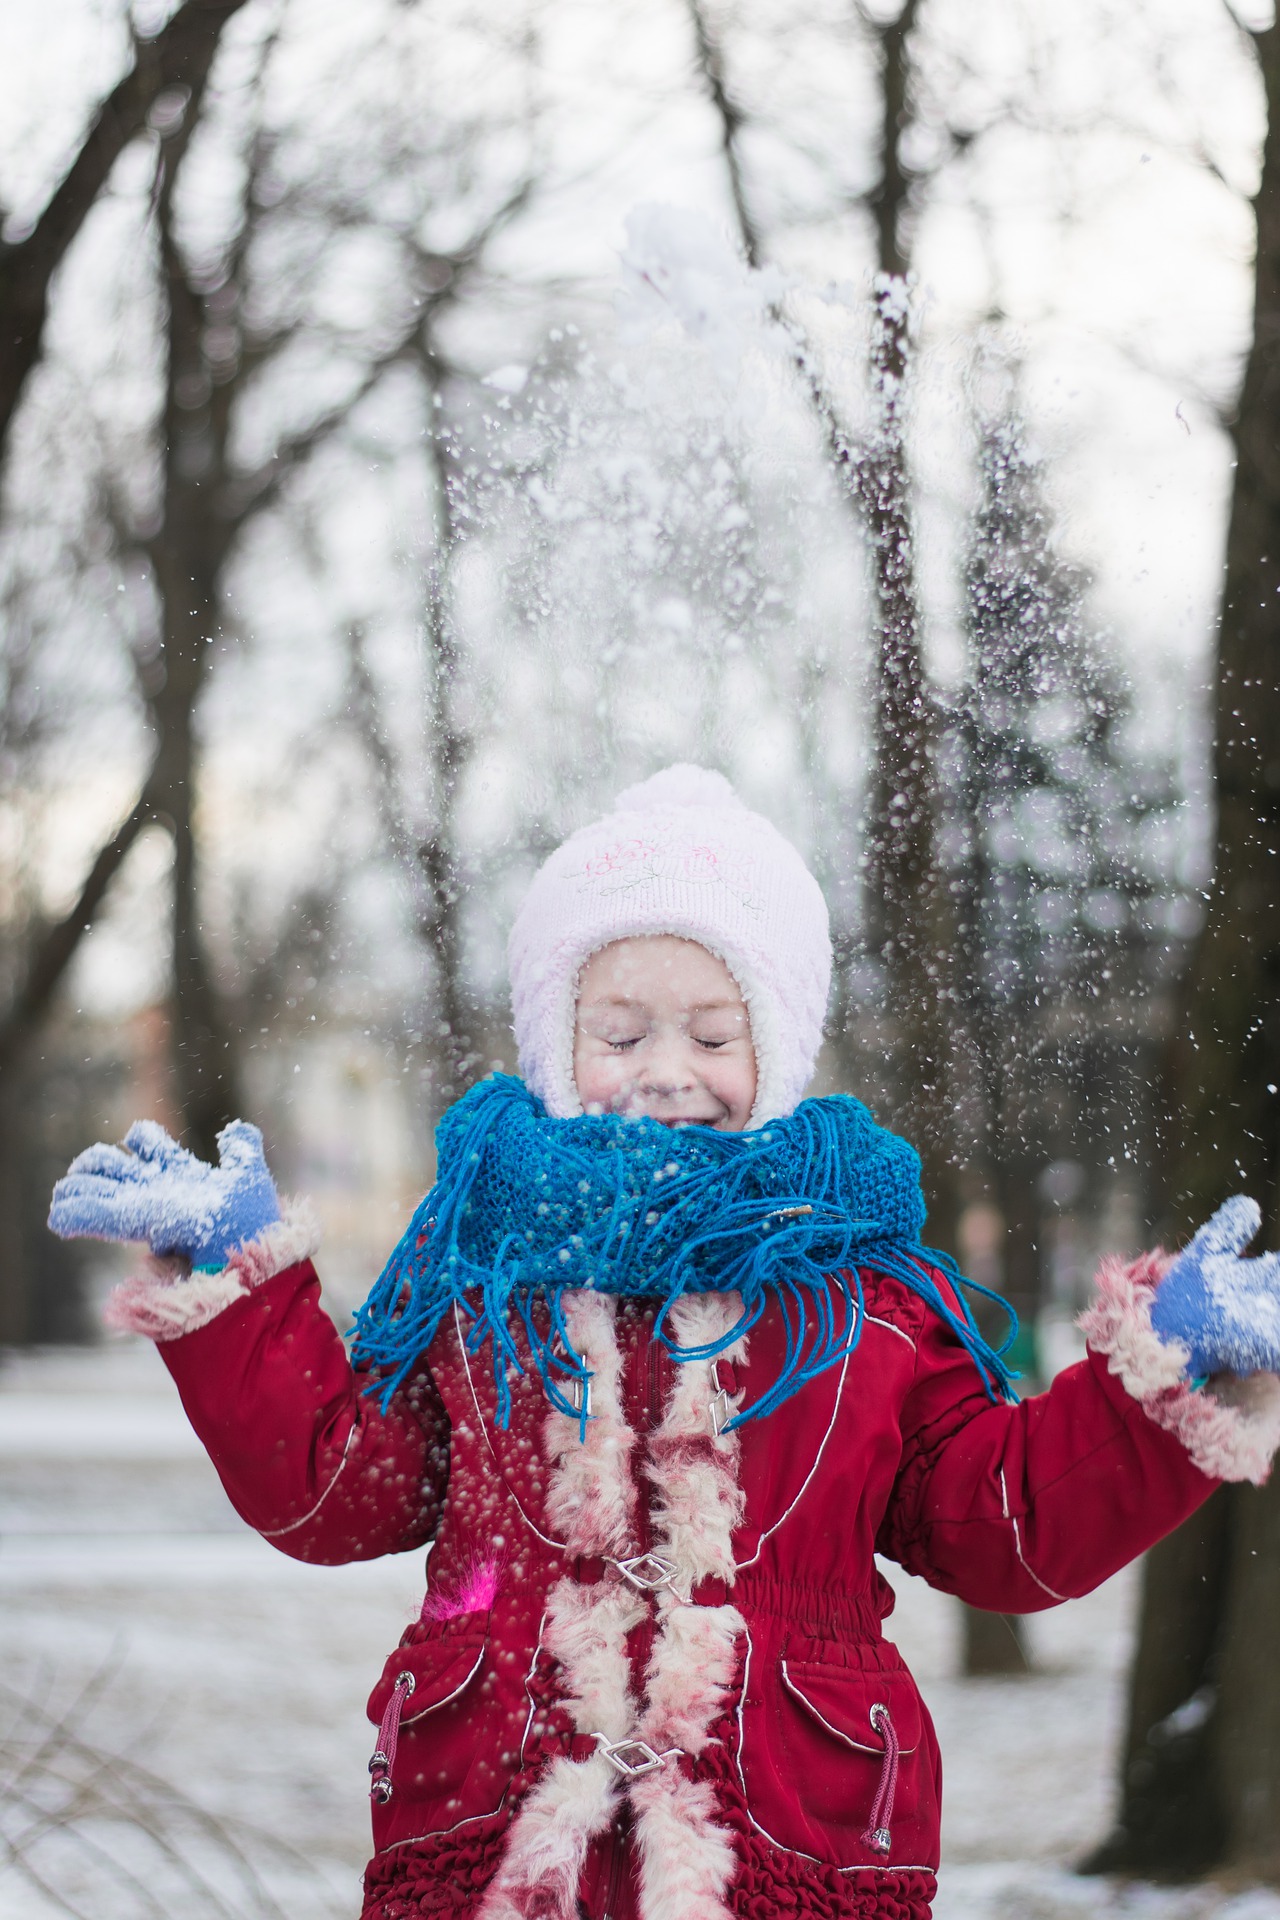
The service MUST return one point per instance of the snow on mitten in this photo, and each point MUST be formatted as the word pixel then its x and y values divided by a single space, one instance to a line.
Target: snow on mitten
pixel 154 1190
pixel 1224 1310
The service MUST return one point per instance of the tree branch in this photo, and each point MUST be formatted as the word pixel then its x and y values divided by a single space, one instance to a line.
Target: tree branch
pixel 57 947
pixel 711 67
pixel 889 198
pixel 181 54
pixel 257 490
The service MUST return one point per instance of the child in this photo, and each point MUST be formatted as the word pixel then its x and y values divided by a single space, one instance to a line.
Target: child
pixel 658 1367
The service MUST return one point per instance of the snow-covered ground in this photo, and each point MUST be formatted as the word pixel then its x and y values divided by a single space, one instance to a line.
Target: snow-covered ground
pixel 178 1649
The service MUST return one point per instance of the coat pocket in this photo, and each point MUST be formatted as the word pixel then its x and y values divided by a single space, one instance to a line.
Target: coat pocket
pixel 428 1708
pixel 840 1763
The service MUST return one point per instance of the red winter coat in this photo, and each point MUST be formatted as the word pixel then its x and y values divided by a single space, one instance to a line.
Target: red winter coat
pixel 651 1678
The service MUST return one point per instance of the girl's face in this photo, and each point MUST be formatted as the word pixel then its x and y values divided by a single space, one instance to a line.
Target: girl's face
pixel 663 1033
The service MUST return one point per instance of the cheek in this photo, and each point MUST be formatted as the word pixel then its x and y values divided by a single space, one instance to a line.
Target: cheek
pixel 733 1080
pixel 598 1075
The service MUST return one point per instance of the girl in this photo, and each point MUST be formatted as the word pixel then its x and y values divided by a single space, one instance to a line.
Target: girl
pixel 658 1367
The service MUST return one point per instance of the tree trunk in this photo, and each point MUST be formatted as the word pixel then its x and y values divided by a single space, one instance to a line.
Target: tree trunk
pixel 440 923
pixel 1171 1821
pixel 181 55
pixel 994 1644
pixel 1208 1638
pixel 15 1266
pixel 905 905
pixel 187 556
pixel 907 922
pixel 56 946
pixel 1015 1187
pixel 890 196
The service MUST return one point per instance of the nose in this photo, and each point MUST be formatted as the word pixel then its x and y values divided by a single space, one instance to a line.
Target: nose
pixel 665 1068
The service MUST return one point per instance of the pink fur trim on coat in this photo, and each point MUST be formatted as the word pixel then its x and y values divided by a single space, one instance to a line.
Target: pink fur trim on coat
pixel 586 1629
pixel 166 1300
pixel 1231 1428
pixel 548 1842
pixel 686 1860
pixel 591 1497
pixel 693 1470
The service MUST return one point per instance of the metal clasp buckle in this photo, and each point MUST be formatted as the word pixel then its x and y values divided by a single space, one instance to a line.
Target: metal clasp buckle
pixel 577 1392
pixel 632 1758
pixel 646 1571
pixel 722 1411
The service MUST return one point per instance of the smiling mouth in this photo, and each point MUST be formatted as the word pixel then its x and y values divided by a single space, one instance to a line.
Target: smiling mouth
pixel 637 1107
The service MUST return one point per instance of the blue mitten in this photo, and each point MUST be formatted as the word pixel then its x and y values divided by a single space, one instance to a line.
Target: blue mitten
pixel 154 1190
pixel 1224 1309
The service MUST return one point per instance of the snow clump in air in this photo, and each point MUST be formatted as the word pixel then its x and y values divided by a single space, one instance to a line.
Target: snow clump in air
pixel 679 264
pixel 511 378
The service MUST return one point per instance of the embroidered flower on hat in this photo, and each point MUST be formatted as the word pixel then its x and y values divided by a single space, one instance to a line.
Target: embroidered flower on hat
pixel 636 863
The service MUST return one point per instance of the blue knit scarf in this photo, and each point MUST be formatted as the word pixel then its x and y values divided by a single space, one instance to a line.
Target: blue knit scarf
pixel 525 1207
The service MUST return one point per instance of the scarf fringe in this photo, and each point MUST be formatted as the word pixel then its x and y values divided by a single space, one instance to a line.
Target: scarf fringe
pixel 632 1207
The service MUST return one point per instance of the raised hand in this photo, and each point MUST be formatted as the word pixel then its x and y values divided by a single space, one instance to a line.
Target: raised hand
pixel 1224 1309
pixel 154 1190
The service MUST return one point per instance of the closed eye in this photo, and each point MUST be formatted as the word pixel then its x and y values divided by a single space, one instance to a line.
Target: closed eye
pixel 624 1046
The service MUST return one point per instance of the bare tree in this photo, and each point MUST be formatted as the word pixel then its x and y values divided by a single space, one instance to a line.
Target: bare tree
pixel 427 850
pixel 179 57
pixel 426 843
pixel 1200 1768
pixel 215 355
pixel 904 905
pixel 908 919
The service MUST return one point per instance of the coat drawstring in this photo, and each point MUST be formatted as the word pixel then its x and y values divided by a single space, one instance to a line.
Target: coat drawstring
pixel 877 1835
pixel 384 1754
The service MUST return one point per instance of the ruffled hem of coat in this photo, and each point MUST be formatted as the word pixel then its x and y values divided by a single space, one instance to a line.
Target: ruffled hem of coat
pixel 770 1880
pixel 447 1874
pixel 444 1873
pixel 1230 1428
pixel 165 1299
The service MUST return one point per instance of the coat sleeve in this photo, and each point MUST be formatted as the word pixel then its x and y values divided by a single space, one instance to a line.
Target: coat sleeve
pixel 307 1458
pixel 1015 1507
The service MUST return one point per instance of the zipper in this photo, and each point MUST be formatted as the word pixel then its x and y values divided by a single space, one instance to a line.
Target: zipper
pixel 618 1839
pixel 655 1382
pixel 644 1412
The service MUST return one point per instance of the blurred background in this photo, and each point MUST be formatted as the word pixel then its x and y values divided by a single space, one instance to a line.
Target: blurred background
pixel 420 421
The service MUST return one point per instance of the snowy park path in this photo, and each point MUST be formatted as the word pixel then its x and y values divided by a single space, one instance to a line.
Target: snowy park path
pixel 240 1677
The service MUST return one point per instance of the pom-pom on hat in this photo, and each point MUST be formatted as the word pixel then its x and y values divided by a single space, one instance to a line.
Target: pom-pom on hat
pixel 681 854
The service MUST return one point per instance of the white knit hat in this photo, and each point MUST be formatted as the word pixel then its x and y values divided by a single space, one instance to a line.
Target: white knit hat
pixel 678 854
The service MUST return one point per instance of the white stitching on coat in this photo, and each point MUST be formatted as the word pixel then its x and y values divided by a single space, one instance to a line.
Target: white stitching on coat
pixel 804 1488
pixel 483 1426
pixel 408 1719
pixel 1017 1541
pixel 277 1533
pixel 860 1746
pixel 884 1866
